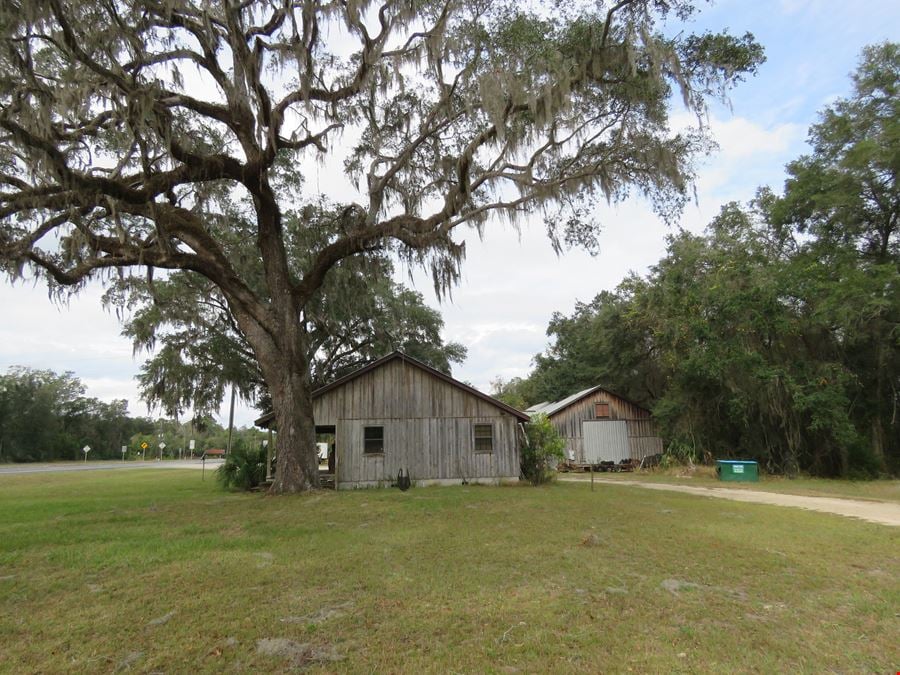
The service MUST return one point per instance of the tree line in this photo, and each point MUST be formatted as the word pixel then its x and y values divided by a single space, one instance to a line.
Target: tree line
pixel 775 334
pixel 47 416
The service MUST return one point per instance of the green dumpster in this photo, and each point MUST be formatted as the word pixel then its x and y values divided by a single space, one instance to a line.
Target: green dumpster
pixel 737 470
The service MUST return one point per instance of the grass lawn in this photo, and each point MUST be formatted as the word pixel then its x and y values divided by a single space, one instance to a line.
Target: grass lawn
pixel 157 571
pixel 705 476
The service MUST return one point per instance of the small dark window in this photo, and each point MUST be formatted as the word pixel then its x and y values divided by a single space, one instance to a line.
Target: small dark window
pixel 601 410
pixel 373 440
pixel 484 438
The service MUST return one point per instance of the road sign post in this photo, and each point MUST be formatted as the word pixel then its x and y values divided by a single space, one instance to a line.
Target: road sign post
pixel 124 450
pixel 162 446
pixel 86 449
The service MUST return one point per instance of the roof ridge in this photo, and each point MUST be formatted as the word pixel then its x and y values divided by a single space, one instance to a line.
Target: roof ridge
pixel 554 407
pixel 377 363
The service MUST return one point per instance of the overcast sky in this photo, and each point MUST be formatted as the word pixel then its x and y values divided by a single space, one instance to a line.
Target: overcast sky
pixel 512 283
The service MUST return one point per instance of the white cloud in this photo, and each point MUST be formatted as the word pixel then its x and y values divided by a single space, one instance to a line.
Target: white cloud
pixel 740 138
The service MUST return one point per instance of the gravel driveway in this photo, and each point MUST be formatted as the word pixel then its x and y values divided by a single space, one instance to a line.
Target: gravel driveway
pixel 884 513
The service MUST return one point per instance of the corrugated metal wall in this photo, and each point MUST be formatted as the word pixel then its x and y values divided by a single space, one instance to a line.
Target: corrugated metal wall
pixel 605 441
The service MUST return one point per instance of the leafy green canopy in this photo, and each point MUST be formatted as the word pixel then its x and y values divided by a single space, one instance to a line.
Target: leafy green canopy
pixel 360 314
pixel 46 416
pixel 776 335
pixel 128 125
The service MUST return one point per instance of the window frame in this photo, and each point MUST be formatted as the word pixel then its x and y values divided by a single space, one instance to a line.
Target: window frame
pixel 597 406
pixel 366 441
pixel 476 437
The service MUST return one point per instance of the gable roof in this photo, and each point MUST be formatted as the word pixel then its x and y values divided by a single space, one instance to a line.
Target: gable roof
pixel 266 419
pixel 550 409
pixel 538 407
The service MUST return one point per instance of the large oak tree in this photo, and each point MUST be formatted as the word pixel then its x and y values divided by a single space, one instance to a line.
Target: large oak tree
pixel 197 349
pixel 132 131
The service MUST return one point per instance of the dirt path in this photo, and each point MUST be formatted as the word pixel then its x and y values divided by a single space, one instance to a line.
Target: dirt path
pixel 883 513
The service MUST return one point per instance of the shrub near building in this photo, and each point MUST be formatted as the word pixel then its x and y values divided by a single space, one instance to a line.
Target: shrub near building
pixel 542 451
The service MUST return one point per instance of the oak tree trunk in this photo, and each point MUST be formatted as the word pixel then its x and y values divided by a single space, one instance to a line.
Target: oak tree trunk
pixel 283 360
pixel 297 463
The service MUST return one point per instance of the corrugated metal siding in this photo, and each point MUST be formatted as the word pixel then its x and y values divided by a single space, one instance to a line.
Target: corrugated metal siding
pixel 605 441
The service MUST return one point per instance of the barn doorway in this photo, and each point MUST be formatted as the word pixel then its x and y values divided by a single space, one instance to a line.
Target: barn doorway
pixel 326 436
pixel 605 441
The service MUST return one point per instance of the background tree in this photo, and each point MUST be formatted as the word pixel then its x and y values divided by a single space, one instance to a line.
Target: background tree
pixel 846 197
pixel 46 416
pixel 776 334
pixel 599 342
pixel 360 314
pixel 133 132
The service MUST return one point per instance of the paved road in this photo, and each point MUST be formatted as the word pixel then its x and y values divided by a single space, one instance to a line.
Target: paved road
pixel 884 513
pixel 57 467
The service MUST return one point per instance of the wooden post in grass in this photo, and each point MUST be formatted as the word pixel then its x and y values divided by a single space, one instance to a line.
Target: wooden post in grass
pixel 270 448
pixel 592 477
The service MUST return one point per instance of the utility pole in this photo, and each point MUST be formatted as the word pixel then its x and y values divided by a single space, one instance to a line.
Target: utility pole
pixel 230 422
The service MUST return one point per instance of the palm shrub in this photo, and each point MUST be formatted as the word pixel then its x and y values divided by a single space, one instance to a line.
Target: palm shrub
pixel 244 468
pixel 543 450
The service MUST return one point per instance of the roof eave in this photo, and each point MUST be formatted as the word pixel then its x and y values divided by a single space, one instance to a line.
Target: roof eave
pixel 267 419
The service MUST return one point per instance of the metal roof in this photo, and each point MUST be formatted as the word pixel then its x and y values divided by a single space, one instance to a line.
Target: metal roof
pixel 537 407
pixel 268 418
pixel 550 409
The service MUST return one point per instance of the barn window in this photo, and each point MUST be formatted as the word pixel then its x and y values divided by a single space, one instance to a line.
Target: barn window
pixel 601 410
pixel 484 438
pixel 373 440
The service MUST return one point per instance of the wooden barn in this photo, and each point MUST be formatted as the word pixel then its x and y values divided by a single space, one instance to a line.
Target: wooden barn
pixel 400 414
pixel 600 426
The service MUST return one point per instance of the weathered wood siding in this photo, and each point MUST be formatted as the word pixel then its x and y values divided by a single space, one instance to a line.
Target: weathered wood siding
pixel 428 429
pixel 643 437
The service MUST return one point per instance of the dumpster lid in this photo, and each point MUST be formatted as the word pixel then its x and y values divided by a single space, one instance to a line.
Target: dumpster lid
pixel 737 461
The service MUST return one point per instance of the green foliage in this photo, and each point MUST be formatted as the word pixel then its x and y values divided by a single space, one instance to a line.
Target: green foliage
pixel 775 335
pixel 244 467
pixel 516 392
pixel 46 416
pixel 359 315
pixel 542 451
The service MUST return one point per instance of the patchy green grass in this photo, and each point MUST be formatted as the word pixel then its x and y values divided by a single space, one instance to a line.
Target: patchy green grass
pixel 705 476
pixel 158 571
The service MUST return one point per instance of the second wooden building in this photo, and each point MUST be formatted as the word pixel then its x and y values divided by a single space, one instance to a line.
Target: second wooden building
pixel 600 426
